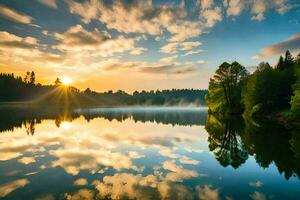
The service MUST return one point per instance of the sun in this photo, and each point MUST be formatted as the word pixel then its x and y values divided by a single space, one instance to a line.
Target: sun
pixel 66 80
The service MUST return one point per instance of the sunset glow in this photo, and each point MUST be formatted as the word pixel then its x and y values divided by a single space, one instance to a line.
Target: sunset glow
pixel 142 45
pixel 66 80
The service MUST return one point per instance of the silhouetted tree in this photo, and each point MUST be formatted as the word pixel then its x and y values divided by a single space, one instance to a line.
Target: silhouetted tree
pixel 27 77
pixel 32 78
pixel 280 64
pixel 57 82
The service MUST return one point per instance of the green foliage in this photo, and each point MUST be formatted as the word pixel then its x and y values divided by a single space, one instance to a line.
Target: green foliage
pixel 268 89
pixel 295 101
pixel 224 92
pixel 225 141
pixel 260 91
pixel 231 90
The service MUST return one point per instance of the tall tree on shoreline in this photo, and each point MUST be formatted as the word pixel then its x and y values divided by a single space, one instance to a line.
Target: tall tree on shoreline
pixel 224 92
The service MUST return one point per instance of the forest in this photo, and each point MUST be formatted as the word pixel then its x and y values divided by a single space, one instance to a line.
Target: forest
pixel 17 90
pixel 265 92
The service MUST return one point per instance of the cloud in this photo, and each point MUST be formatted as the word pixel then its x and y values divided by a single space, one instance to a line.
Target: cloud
pixel 234 7
pixel 94 43
pixel 129 186
pixel 122 185
pixel 25 51
pixel 135 155
pixel 77 37
pixel 178 173
pixel 258 8
pixel 188 161
pixel 80 182
pixel 292 44
pixel 174 68
pixel 12 41
pixel 209 13
pixel 192 52
pixel 7 188
pixel 49 3
pixel 73 160
pixel 165 65
pixel 88 10
pixel 138 17
pixel 27 160
pixel 15 16
pixel 282 6
pixel 169 59
pixel 174 47
pixel 115 64
pixel 258 196
pixel 256 184
pixel 207 192
pixel 83 194
pixel 168 153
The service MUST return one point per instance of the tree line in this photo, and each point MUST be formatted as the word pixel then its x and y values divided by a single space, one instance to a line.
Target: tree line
pixel 233 90
pixel 17 89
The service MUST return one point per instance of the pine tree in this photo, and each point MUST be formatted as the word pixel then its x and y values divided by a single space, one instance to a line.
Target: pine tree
pixel 32 77
pixel 280 64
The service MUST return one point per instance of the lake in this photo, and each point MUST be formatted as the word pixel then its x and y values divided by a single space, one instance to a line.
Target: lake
pixel 144 153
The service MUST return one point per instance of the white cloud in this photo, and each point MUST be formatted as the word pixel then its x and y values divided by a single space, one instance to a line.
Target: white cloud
pixel 192 52
pixel 81 182
pixel 209 13
pixel 282 6
pixel 7 188
pixel 169 59
pixel 178 173
pixel 258 196
pixel 188 161
pixel 234 7
pixel 13 15
pixel 82 194
pixel 49 3
pixel 94 43
pixel 258 8
pixel 168 153
pixel 207 192
pixel 139 17
pixel 256 184
pixel 174 47
pixel 135 155
pixel 27 160
pixel 292 44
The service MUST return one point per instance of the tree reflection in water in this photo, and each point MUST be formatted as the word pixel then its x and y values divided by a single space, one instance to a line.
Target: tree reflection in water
pixel 225 141
pixel 232 140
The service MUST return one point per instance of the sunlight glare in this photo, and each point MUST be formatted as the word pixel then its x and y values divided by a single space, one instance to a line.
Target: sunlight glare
pixel 66 125
pixel 66 80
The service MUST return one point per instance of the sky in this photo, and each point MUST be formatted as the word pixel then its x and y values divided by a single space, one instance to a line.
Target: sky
pixel 143 44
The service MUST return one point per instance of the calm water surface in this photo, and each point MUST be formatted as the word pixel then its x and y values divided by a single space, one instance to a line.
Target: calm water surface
pixel 150 153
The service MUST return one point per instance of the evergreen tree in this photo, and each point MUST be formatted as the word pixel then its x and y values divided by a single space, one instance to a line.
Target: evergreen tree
pixel 27 76
pixel 32 77
pixel 280 64
pixel 295 101
pixel 289 60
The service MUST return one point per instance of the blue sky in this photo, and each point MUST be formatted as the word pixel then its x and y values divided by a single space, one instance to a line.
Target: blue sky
pixel 135 45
